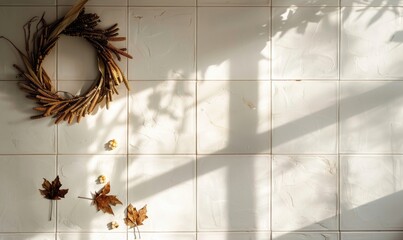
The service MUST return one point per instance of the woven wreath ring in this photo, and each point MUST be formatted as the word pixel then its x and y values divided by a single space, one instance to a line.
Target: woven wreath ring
pixel 36 81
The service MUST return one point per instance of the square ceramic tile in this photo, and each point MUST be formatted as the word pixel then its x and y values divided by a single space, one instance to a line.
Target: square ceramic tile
pixel 305 42
pixel 304 193
pixel 27 2
pixel 233 2
pixel 12 20
pixel 305 236
pixel 165 236
pixel 162 117
pixel 372 236
pixel 233 117
pixel 20 134
pixel 233 193
pixel 167 185
pixel 371 192
pixel 371 43
pixel 95 2
pixel 304 117
pixel 92 236
pixel 372 3
pixel 370 114
pixel 233 43
pixel 22 207
pixel 94 131
pixel 27 236
pixel 289 3
pixel 162 2
pixel 162 41
pixel 233 236
pixel 80 173
pixel 77 59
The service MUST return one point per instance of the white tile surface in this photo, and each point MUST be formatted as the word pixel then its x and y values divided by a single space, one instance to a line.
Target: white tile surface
pixel 304 193
pixel 77 59
pixel 372 236
pixel 81 173
pixel 162 117
pixel 167 185
pixel 27 2
pixel 166 236
pixel 96 2
pixel 304 117
pixel 371 43
pixel 91 236
pixel 371 192
pixel 22 207
pixel 372 3
pixel 162 3
pixel 304 236
pixel 233 2
pixel 233 43
pixel 19 134
pixel 93 132
pixel 233 236
pixel 305 42
pixel 233 117
pixel 162 43
pixel 233 193
pixel 160 126
pixel 288 3
pixel 370 114
pixel 27 236
pixel 17 17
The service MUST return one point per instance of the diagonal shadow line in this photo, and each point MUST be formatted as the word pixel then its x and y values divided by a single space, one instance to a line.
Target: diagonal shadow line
pixel 370 221
pixel 376 96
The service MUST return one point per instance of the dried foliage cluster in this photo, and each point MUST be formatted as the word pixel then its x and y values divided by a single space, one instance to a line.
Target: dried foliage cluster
pixel 52 192
pixel 135 218
pixel 102 201
pixel 38 84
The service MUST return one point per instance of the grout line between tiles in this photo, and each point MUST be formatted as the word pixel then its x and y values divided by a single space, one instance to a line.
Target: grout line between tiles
pixel 338 124
pixel 246 80
pixel 26 5
pixel 271 122
pixel 196 113
pixel 57 125
pixel 127 108
pixel 206 154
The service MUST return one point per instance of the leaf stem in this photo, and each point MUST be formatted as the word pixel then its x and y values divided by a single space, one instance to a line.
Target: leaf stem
pixel 85 198
pixel 138 230
pixel 50 210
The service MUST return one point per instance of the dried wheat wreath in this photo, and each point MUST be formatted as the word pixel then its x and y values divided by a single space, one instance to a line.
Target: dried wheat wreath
pixel 39 86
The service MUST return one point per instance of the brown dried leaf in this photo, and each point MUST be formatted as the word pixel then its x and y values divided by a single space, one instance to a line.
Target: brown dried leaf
pixel 52 190
pixel 104 201
pixel 134 217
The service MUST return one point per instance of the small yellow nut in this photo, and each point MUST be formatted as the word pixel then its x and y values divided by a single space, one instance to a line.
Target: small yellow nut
pixel 114 225
pixel 102 179
pixel 113 144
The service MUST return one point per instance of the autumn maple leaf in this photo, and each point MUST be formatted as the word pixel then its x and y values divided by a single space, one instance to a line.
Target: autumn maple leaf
pixel 52 190
pixel 104 201
pixel 135 218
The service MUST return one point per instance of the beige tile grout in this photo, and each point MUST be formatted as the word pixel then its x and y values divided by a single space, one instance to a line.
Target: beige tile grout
pixel 196 66
pixel 127 109
pixel 338 187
